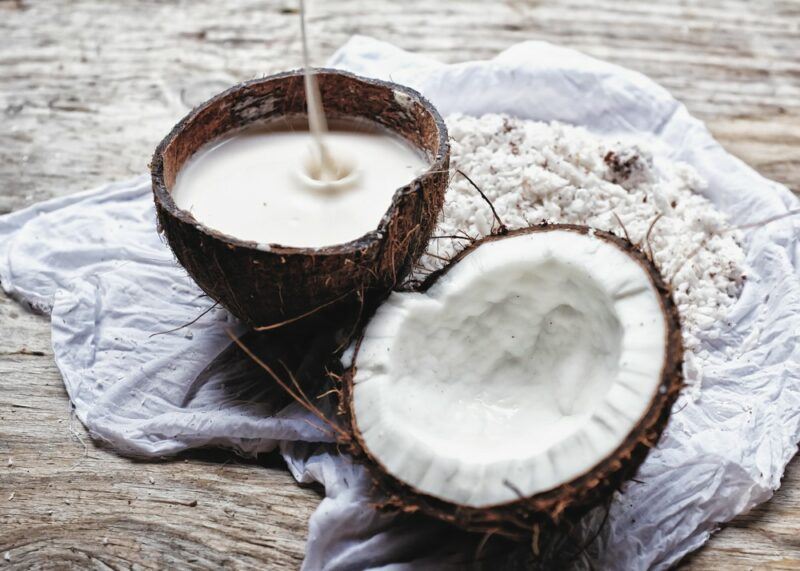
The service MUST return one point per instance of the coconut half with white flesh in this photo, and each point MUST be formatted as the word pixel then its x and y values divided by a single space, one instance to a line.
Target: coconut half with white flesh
pixel 526 380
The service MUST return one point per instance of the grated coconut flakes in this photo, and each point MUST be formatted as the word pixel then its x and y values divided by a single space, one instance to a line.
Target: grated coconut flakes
pixel 536 172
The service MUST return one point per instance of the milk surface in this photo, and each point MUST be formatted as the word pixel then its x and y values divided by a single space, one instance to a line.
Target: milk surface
pixel 259 185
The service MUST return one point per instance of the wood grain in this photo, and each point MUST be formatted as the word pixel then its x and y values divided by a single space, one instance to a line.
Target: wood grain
pixel 88 87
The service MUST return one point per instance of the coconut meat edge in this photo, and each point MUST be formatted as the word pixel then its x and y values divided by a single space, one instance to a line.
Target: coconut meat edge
pixel 520 369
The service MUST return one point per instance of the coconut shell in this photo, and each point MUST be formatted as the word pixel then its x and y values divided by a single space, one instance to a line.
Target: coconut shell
pixel 279 283
pixel 568 501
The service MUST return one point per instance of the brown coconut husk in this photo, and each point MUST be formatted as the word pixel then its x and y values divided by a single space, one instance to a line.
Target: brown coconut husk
pixel 522 518
pixel 285 284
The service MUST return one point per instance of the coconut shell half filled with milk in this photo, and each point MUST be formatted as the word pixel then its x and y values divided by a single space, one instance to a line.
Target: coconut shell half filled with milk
pixel 269 283
pixel 520 385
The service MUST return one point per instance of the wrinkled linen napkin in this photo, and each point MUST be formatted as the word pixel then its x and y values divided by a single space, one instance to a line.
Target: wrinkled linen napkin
pixel 95 262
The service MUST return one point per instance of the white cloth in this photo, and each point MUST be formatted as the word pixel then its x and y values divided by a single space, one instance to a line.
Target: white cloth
pixel 95 263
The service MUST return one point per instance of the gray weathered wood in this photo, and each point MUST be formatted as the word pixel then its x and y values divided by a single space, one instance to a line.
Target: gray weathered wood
pixel 88 87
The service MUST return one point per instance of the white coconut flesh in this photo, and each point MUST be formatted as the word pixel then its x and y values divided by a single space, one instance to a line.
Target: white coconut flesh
pixel 523 367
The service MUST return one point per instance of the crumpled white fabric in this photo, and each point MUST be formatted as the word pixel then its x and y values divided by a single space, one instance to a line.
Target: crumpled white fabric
pixel 95 262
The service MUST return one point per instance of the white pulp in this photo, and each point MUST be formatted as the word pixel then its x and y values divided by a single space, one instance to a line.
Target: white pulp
pixel 523 367
pixel 260 185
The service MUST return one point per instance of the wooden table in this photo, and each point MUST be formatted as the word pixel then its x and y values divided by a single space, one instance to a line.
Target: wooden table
pixel 88 87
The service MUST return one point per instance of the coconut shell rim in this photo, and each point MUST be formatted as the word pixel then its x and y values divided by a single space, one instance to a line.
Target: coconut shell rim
pixel 164 197
pixel 598 476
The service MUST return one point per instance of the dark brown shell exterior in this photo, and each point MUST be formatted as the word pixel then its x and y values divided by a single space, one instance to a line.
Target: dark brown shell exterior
pixel 267 286
pixel 568 501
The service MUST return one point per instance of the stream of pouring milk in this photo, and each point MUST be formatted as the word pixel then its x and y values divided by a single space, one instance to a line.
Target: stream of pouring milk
pixel 283 184
pixel 327 167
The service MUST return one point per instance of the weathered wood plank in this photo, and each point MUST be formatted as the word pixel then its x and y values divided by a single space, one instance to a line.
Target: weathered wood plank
pixel 87 88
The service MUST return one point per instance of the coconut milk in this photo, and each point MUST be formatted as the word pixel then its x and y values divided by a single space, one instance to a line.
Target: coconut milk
pixel 297 187
pixel 262 184
pixel 327 168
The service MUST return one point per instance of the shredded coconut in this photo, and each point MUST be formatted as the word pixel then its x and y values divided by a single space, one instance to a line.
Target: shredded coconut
pixel 536 172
